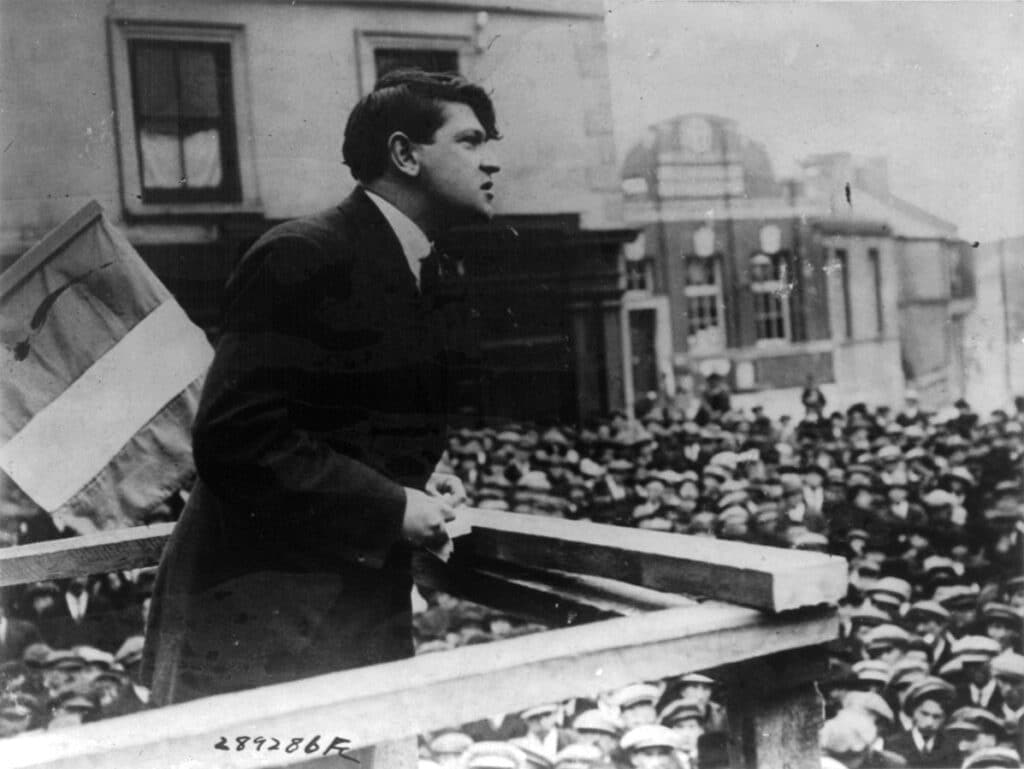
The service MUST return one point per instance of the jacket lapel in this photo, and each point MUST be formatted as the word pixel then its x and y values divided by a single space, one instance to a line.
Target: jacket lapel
pixel 377 244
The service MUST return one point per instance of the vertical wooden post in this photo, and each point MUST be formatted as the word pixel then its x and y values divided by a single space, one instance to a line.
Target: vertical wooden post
pixel 785 730
pixel 776 711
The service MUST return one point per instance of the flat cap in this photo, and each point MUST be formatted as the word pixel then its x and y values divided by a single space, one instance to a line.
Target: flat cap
pixel 991 758
pixel 539 710
pixel 650 736
pixel 907 671
pixel 872 670
pixel 130 651
pixel 35 654
pixel 493 755
pixel 681 710
pixel 636 694
pixel 930 609
pixel 891 586
pixel 450 742
pixel 578 754
pixel 928 688
pixel 938 498
pixel 956 596
pixel 94 656
pixel 886 636
pixel 994 610
pixel 961 474
pixel 64 659
pixel 868 614
pixel 595 720
pixel 810 540
pixel 1008 665
pixel 889 453
pixel 696 678
pixel 717 471
pixel 982 719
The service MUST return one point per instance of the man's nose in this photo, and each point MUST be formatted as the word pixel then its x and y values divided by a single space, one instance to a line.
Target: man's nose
pixel 489 162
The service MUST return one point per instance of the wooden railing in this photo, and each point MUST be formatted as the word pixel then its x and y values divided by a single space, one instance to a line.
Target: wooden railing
pixel 630 605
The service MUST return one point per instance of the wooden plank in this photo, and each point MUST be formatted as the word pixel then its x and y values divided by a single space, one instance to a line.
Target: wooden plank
pixel 92 554
pixel 394 700
pixel 48 247
pixel 762 577
pixel 554 598
pixel 750 575
pixel 529 600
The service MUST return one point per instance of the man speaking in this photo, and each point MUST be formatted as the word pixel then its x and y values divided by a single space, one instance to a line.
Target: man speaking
pixel 324 414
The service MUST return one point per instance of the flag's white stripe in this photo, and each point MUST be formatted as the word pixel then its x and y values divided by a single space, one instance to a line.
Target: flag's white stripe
pixel 65 445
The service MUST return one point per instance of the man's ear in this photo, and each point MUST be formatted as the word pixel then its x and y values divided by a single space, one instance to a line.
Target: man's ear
pixel 402 154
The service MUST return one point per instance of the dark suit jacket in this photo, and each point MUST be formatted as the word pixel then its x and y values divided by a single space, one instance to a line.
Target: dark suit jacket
pixel 326 396
pixel 942 756
pixel 963 699
pixel 98 627
pixel 19 635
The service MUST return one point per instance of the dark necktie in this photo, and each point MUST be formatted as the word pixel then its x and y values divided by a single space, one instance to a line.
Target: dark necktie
pixel 434 268
pixel 430 272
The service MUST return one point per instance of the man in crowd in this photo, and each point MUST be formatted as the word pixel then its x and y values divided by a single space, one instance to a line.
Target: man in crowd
pixel 324 413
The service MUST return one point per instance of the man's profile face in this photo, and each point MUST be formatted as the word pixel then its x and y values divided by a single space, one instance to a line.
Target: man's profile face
pixel 457 166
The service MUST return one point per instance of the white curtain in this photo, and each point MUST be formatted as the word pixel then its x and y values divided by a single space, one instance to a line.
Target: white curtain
pixel 161 160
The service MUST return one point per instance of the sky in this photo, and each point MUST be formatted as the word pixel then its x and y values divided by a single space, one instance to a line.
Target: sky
pixel 937 88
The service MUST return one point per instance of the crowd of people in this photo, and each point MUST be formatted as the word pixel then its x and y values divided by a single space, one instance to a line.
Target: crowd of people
pixel 927 508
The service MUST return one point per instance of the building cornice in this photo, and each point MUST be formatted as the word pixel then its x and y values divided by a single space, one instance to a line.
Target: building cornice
pixel 587 9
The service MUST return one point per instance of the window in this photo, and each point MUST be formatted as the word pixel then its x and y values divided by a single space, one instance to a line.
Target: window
pixel 183 118
pixel 382 52
pixel 876 273
pixel 770 287
pixel 639 275
pixel 184 124
pixel 842 264
pixel 388 59
pixel 704 315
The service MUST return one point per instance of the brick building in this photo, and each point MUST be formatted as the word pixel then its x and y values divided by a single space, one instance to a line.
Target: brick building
pixel 771 282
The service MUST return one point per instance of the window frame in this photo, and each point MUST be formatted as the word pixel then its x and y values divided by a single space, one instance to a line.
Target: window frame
pixel 715 290
pixel 369 41
pixel 875 260
pixel 777 285
pixel 230 188
pixel 841 257
pixel 123 32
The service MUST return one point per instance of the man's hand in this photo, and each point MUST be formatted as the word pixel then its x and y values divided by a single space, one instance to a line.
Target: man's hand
pixel 424 519
pixel 449 487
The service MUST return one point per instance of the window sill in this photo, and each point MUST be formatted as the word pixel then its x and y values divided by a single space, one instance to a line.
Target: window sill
pixel 191 211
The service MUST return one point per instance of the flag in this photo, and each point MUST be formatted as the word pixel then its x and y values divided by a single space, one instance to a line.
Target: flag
pixel 100 374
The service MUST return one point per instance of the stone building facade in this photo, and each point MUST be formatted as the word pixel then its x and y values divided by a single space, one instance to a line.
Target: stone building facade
pixel 198 124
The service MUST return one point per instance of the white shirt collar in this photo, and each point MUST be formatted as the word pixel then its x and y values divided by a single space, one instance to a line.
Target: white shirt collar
pixel 415 244
pixel 923 745
pixel 984 694
pixel 77 604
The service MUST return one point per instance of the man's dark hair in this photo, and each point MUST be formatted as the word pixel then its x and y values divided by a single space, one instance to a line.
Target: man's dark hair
pixel 411 101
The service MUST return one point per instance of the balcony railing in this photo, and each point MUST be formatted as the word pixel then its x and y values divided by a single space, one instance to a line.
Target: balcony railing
pixel 629 605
